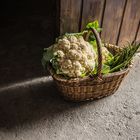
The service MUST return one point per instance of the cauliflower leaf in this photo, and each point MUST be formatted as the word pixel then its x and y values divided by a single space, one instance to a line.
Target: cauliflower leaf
pixel 47 56
pixel 95 25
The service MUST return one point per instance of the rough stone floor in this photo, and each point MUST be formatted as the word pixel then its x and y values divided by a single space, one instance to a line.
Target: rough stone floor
pixel 33 110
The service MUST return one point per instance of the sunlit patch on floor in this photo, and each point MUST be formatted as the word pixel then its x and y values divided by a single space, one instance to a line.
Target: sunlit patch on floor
pixel 31 82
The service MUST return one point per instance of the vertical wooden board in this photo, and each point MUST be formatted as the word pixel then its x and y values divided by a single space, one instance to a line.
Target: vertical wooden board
pixel 130 22
pixel 112 20
pixel 138 36
pixel 92 10
pixel 70 11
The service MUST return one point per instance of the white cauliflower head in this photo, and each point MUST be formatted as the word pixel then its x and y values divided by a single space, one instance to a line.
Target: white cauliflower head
pixel 106 54
pixel 75 56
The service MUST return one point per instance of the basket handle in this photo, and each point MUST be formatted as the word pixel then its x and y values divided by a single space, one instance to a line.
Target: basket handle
pixel 99 49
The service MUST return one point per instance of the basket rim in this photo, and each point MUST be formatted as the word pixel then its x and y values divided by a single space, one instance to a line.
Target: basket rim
pixel 62 79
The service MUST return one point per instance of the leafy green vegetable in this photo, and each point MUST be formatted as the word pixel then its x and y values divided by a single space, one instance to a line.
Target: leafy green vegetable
pixel 54 62
pixel 94 45
pixel 47 56
pixel 76 34
pixel 91 38
pixel 95 25
pixel 83 75
pixel 122 60
pixel 109 57
pixel 92 41
pixel 105 69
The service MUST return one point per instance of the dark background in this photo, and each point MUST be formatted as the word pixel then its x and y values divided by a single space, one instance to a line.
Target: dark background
pixel 26 27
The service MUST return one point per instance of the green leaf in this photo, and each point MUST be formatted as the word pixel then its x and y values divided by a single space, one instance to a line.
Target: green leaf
pixel 91 38
pixel 54 63
pixel 95 25
pixel 105 69
pixel 99 30
pixel 95 70
pixel 123 59
pixel 94 45
pixel 83 75
pixel 75 34
pixel 48 54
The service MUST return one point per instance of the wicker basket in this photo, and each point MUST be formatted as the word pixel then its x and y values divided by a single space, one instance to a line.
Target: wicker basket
pixel 89 88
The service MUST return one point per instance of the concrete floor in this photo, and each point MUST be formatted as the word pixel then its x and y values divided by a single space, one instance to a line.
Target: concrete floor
pixel 32 110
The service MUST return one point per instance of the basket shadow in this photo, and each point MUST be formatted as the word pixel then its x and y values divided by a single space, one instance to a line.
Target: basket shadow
pixel 31 103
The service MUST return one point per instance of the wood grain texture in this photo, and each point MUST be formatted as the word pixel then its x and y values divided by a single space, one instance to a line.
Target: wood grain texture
pixel 70 12
pixel 130 22
pixel 138 34
pixel 112 20
pixel 92 10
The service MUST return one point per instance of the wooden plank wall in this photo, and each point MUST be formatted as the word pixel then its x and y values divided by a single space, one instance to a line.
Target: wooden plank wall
pixel 92 10
pixel 130 21
pixel 70 14
pixel 112 20
pixel 119 19
pixel 138 34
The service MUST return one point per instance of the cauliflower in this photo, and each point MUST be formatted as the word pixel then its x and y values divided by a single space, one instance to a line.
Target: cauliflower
pixel 106 54
pixel 74 55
